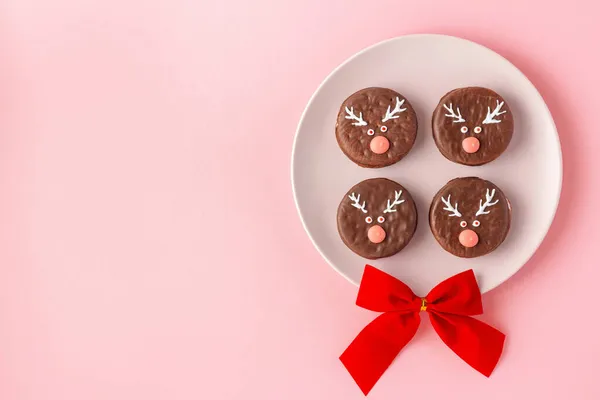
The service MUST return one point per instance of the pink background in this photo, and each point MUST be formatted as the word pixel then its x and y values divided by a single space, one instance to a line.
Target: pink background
pixel 149 244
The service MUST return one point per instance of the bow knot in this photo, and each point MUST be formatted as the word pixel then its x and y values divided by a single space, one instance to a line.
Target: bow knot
pixel 449 305
pixel 423 304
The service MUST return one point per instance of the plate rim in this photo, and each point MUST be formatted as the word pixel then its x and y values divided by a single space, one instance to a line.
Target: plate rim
pixel 556 136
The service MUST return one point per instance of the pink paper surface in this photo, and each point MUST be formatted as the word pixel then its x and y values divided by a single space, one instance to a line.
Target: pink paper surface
pixel 149 244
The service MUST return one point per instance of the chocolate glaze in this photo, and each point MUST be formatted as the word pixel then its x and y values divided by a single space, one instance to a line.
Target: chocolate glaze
pixel 468 192
pixel 473 103
pixel 399 226
pixel 373 104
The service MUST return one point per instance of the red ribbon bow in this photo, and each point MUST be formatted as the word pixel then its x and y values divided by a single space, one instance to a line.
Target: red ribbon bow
pixel 449 305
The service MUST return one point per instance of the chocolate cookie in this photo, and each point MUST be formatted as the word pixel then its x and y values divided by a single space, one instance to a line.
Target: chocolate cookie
pixel 472 126
pixel 376 127
pixel 470 217
pixel 377 218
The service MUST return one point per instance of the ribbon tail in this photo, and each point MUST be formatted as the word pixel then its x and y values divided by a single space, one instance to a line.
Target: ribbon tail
pixel 477 343
pixel 376 346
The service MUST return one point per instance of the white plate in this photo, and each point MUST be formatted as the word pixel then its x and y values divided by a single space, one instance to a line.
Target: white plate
pixel 423 68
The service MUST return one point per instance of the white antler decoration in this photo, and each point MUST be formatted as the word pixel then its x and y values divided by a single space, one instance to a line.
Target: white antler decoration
pixel 390 115
pixel 359 119
pixel 390 206
pixel 356 200
pixel 489 119
pixel 457 117
pixel 488 202
pixel 454 210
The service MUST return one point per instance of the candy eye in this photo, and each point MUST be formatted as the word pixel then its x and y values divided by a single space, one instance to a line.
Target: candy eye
pixel 463 224
pixel 370 132
pixel 477 129
pixel 368 220
pixel 476 223
pixel 380 219
pixel 383 129
pixel 464 129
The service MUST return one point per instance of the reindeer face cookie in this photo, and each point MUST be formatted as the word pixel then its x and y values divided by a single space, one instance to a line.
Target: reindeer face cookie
pixel 377 218
pixel 472 126
pixel 470 217
pixel 376 127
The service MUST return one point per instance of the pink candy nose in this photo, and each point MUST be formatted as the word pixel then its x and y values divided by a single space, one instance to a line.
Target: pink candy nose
pixel 468 238
pixel 379 144
pixel 376 234
pixel 470 144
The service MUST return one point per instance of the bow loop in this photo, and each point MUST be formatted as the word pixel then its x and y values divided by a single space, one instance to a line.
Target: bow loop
pixel 381 292
pixel 456 295
pixel 449 305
